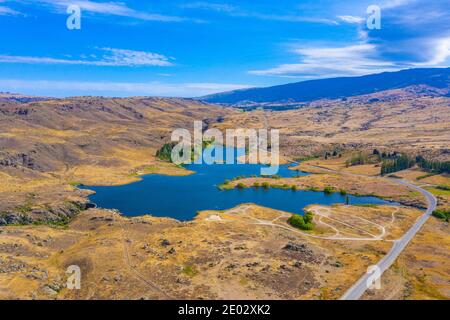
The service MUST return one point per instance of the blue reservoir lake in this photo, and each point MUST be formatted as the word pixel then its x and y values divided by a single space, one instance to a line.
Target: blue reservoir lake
pixel 181 197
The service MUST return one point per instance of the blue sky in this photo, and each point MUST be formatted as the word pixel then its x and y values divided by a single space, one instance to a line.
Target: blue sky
pixel 192 48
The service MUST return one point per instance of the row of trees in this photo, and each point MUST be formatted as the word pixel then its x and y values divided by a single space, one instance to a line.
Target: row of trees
pixel 369 158
pixel 399 163
pixel 403 161
pixel 433 166
pixel 443 214
pixel 332 154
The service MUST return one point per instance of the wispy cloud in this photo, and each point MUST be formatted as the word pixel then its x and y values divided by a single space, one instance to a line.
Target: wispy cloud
pixel 414 33
pixel 390 4
pixel 236 11
pixel 316 62
pixel 110 57
pixel 440 52
pixel 6 11
pixel 116 88
pixel 219 7
pixel 107 8
pixel 351 19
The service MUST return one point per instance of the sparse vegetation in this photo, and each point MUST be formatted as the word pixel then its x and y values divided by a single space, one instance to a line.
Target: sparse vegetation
pixel 366 205
pixel 426 176
pixel 306 158
pixel 24 208
pixel 439 191
pixel 443 214
pixel 190 271
pixel 357 159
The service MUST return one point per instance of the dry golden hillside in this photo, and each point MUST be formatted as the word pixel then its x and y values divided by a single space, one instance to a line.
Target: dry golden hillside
pixel 47 147
pixel 393 120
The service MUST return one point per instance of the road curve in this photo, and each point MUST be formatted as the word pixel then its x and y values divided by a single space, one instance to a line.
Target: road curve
pixel 358 289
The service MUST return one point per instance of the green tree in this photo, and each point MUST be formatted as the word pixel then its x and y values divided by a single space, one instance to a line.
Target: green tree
pixel 299 222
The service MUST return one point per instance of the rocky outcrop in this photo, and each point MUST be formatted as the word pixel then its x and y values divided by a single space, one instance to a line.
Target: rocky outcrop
pixel 55 214
pixel 21 159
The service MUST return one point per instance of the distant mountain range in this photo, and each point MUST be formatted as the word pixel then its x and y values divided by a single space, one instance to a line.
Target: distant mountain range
pixel 335 88
pixel 16 97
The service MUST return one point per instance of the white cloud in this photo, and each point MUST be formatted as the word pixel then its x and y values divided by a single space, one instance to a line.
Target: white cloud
pixel 351 19
pixel 439 53
pixel 5 11
pixel 390 4
pixel 317 62
pixel 44 87
pixel 107 8
pixel 111 57
pixel 235 11
pixel 210 6
pixel 291 18
pixel 121 57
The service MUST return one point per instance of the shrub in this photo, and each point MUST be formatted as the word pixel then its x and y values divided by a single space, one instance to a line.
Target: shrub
pixel 190 271
pixel 308 217
pixel 328 190
pixel 165 153
pixel 240 185
pixel 265 185
pixel 426 176
pixel 302 223
pixel 24 209
pixel 294 187
pixel 343 192
pixel 357 159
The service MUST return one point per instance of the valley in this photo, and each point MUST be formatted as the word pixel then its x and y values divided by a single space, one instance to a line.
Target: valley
pixel 241 251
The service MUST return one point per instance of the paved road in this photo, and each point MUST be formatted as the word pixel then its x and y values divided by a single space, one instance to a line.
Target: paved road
pixel 355 292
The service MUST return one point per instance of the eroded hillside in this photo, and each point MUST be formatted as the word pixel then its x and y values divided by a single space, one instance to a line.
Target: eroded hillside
pixel 48 147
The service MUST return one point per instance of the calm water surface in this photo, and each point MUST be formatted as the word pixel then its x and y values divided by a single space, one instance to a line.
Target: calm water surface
pixel 182 197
